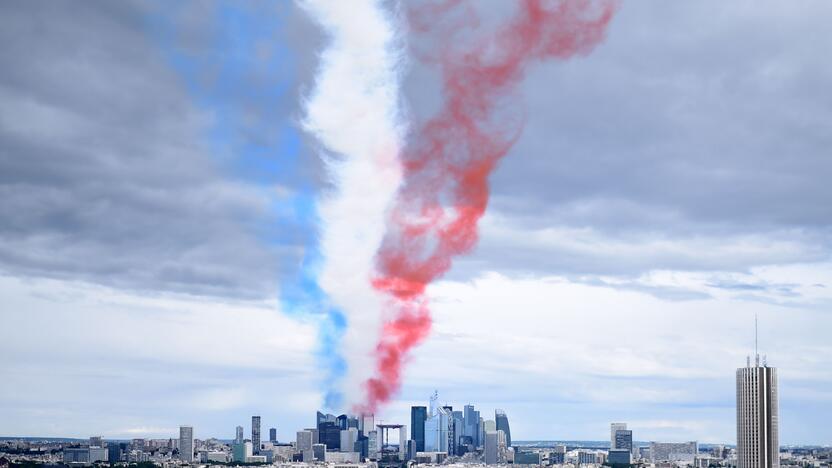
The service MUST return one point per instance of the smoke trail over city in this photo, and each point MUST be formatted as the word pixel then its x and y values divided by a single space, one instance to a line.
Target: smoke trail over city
pixel 353 112
pixel 447 161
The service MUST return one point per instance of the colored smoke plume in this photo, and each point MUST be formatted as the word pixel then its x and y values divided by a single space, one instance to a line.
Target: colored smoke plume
pixel 448 160
pixel 353 113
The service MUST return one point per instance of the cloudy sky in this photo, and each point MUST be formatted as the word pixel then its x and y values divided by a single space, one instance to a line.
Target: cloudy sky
pixel 666 188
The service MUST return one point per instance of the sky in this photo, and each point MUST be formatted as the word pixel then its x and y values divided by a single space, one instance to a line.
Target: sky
pixel 185 237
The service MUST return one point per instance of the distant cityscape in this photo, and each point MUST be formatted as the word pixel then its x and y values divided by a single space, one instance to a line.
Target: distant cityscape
pixel 440 435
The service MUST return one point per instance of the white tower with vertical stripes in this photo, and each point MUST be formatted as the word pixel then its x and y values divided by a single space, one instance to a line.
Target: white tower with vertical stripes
pixel 758 444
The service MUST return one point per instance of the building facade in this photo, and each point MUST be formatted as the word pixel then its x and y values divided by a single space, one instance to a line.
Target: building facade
pixel 418 416
pixel 614 427
pixel 673 451
pixel 255 434
pixel 758 443
pixel 186 443
pixel 623 440
pixel 502 425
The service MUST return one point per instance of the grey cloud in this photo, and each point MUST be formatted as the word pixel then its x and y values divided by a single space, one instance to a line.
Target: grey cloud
pixel 104 174
pixel 699 123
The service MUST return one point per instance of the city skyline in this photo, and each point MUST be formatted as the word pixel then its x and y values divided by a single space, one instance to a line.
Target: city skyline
pixel 196 228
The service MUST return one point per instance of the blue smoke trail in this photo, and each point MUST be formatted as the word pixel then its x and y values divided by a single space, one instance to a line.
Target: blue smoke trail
pixel 245 45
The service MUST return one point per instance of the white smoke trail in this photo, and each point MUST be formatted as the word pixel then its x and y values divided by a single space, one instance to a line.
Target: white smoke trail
pixel 354 113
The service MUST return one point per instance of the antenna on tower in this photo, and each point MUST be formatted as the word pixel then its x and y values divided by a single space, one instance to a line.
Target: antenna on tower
pixel 756 354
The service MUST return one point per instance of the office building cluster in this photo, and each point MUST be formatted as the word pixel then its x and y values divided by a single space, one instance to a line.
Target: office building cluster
pixel 439 434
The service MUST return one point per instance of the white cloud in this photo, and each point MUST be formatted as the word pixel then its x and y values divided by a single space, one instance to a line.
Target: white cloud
pixel 545 348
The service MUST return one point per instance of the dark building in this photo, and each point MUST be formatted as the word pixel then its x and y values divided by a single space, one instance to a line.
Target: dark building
pixel 273 435
pixel 502 425
pixel 322 418
pixel 465 445
pixel 618 456
pixel 113 452
pixel 418 415
pixel 472 425
pixel 527 458
pixel 362 446
pixel 343 422
pixel 624 439
pixel 329 434
pixel 410 453
pixel 255 434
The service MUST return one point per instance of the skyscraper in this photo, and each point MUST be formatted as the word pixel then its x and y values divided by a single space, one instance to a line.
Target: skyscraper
pixel 303 445
pixel 255 434
pixel 273 434
pixel 403 443
pixel 758 444
pixel 495 447
pixel 186 443
pixel 502 425
pixel 471 426
pixel 437 426
pixel 623 440
pixel 348 439
pixel 238 439
pixel 615 427
pixel 366 424
pixel 330 435
pixel 491 447
pixel 418 415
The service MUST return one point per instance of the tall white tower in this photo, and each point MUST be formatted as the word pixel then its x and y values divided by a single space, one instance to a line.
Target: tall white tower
pixel 186 443
pixel 758 443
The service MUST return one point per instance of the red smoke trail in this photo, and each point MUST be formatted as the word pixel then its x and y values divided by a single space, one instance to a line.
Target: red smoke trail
pixel 448 161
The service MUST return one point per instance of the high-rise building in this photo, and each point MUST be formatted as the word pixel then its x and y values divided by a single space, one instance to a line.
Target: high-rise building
pixel 481 431
pixel 619 457
pixel 411 450
pixel 471 426
pixel 372 445
pixel 614 427
pixel 242 452
pixel 418 415
pixel 491 448
pixel 273 434
pixel 98 454
pixel 255 434
pixel 457 429
pixel 113 452
pixel 96 441
pixel 348 439
pixel 758 443
pixel 319 452
pixel 330 434
pixel 342 421
pixel 239 437
pixel 304 444
pixel 489 426
pixel 186 443
pixel 366 424
pixel 495 447
pixel 437 426
pixel 623 440
pixel 403 443
pixel 502 425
